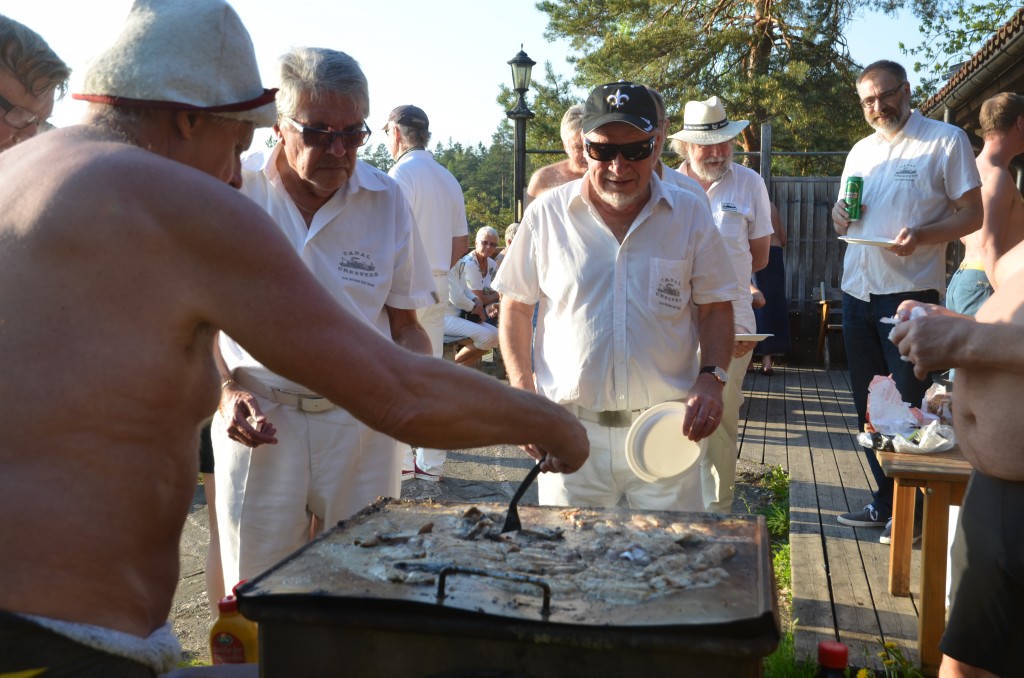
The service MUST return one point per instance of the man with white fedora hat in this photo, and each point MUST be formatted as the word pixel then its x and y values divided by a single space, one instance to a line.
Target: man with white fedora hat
pixel 630 274
pixel 742 213
pixel 130 251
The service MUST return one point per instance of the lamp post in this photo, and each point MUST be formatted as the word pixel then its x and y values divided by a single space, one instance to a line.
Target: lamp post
pixel 521 66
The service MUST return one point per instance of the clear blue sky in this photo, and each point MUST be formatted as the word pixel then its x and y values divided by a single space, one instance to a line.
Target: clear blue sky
pixel 446 56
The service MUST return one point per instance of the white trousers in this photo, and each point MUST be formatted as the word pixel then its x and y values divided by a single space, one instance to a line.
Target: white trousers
pixel 432 320
pixel 484 336
pixel 719 451
pixel 326 464
pixel 606 477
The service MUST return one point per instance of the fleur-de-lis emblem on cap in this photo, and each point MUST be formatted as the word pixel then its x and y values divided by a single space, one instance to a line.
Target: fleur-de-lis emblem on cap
pixel 618 99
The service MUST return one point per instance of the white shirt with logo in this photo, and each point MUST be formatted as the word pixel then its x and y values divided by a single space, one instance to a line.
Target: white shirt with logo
pixel 909 181
pixel 360 246
pixel 742 212
pixel 617 327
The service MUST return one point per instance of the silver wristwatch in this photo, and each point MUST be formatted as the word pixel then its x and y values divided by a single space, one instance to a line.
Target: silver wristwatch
pixel 721 375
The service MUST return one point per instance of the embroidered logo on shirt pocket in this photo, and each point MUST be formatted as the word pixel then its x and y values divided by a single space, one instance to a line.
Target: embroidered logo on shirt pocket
pixel 665 288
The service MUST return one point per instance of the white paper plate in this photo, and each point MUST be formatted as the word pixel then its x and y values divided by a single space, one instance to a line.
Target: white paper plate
pixel 655 445
pixel 753 337
pixel 874 242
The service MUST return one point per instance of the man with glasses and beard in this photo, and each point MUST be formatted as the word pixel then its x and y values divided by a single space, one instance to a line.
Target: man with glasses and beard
pixel 301 462
pixel 30 75
pixel 629 272
pixel 921 190
pixel 742 213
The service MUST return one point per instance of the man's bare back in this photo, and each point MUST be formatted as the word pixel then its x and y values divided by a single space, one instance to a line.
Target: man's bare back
pixel 550 176
pixel 120 266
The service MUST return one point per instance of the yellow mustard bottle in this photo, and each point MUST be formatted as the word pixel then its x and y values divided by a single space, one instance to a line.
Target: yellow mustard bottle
pixel 233 638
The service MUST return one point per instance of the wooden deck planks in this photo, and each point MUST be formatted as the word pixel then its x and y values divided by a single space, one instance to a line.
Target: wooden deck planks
pixel 839 573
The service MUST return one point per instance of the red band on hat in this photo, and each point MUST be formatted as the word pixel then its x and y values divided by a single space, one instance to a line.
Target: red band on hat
pixel 262 100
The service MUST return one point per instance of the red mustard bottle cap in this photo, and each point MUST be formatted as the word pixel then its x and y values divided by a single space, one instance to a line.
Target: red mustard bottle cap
pixel 229 604
pixel 832 654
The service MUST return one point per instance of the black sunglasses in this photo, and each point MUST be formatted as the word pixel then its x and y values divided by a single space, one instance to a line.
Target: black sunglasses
pixel 638 150
pixel 322 138
pixel 17 116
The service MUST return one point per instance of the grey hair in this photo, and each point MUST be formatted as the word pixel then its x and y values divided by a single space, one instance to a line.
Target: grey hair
pixel 510 232
pixel 318 71
pixel 572 121
pixel 678 147
pixel 486 230
pixel 414 136
pixel 890 67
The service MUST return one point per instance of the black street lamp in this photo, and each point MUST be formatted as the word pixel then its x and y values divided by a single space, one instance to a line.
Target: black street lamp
pixel 521 66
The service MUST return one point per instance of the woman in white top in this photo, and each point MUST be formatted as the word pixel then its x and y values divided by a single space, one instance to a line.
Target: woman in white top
pixel 472 304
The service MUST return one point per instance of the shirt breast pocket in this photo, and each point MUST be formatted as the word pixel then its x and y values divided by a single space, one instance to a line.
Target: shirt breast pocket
pixel 666 292
pixel 733 226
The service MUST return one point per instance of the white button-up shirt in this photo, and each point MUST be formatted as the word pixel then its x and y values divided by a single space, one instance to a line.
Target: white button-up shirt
pixel 909 181
pixel 617 328
pixel 438 207
pixel 360 246
pixel 742 212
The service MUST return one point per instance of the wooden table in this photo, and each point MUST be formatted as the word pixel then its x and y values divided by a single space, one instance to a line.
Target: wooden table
pixel 942 477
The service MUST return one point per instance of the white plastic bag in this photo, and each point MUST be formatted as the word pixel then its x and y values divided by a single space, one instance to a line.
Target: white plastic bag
pixel 887 412
pixel 935 437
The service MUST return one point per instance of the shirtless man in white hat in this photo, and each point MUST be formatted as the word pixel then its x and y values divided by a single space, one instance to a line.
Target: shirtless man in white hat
pixel 125 252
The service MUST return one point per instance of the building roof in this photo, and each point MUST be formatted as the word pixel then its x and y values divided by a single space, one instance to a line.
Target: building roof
pixel 997 67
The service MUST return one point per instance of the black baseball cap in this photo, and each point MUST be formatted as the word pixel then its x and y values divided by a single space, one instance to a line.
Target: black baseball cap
pixel 620 102
pixel 408 115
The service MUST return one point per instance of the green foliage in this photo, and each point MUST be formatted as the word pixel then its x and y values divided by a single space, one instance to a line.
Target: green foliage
pixel 785 63
pixel 379 156
pixel 894 664
pixel 951 35
pixel 783 567
pixel 783 663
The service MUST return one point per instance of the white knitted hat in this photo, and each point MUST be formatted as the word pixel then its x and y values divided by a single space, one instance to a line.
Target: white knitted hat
pixel 705 123
pixel 189 55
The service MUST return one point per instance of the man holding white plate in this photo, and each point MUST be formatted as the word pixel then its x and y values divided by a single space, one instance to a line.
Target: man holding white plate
pixel 630 274
pixel 921 190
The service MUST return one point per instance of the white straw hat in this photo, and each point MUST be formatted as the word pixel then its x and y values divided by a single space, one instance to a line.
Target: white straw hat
pixel 705 123
pixel 189 55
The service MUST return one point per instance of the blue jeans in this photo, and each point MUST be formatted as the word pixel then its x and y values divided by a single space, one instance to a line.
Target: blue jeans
pixel 869 353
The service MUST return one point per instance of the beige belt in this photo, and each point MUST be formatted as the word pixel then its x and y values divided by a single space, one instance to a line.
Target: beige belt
pixel 609 418
pixel 972 266
pixel 305 402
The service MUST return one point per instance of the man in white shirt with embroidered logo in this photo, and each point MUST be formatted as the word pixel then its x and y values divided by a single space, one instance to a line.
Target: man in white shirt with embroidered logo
pixel 921 190
pixel 351 226
pixel 439 213
pixel 742 213
pixel 629 272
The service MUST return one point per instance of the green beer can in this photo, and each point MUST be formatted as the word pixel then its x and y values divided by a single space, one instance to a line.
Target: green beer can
pixel 852 195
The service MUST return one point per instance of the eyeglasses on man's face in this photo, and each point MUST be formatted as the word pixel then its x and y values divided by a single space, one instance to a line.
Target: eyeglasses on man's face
pixel 881 97
pixel 322 138
pixel 17 116
pixel 488 243
pixel 637 150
